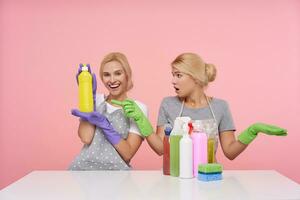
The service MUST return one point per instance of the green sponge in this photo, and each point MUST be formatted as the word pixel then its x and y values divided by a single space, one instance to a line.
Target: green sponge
pixel 210 168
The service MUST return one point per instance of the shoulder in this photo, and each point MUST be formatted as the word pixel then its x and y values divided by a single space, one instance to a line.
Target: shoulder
pixel 99 98
pixel 220 103
pixel 142 106
pixel 170 100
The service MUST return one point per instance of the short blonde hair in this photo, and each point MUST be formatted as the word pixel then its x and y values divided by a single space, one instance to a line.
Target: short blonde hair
pixel 193 65
pixel 121 58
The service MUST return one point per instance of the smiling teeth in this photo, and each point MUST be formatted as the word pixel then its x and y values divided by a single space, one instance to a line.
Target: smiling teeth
pixel 114 86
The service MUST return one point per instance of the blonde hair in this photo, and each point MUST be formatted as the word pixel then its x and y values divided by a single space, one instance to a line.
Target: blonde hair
pixel 121 58
pixel 193 65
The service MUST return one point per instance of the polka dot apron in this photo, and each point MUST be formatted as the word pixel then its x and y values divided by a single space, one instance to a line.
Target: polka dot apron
pixel 101 154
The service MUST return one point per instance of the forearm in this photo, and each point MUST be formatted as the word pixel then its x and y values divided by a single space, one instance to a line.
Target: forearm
pixel 234 149
pixel 230 145
pixel 127 148
pixel 156 143
pixel 86 132
pixel 125 151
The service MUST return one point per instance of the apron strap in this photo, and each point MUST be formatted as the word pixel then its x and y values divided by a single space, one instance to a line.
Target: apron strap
pixel 210 108
pixel 181 109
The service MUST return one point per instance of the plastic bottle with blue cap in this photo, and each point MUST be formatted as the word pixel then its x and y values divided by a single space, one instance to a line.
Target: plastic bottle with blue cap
pixel 166 156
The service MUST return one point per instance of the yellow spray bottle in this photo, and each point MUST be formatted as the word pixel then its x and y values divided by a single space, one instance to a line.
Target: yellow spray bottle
pixel 86 103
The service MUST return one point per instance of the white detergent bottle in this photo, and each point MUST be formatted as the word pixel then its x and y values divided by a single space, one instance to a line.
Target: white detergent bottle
pixel 186 154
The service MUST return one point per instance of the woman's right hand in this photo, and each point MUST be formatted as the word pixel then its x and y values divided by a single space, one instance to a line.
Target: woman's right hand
pixel 102 122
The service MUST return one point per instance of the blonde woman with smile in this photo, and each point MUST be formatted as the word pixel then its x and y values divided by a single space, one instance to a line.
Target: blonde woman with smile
pixel 110 138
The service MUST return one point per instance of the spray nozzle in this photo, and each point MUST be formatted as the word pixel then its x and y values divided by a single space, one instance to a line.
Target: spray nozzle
pixel 178 125
pixel 191 128
pixel 185 128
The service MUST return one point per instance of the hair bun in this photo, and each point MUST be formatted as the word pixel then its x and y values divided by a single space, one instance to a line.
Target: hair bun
pixel 211 72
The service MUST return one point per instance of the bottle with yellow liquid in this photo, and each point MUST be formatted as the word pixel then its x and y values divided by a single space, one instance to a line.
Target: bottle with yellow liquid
pixel 86 102
pixel 211 149
pixel 212 132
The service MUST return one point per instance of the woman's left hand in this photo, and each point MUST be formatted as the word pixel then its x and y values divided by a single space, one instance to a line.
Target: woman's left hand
pixel 248 135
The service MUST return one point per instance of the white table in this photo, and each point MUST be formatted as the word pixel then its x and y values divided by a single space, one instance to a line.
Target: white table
pixel 142 185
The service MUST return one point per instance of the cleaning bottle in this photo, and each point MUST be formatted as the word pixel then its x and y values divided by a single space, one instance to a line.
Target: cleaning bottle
pixel 199 138
pixel 166 156
pixel 86 103
pixel 211 143
pixel 175 137
pixel 186 153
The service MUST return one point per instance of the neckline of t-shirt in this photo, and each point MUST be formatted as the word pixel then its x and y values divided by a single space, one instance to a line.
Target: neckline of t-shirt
pixel 206 107
pixel 112 106
pixel 108 104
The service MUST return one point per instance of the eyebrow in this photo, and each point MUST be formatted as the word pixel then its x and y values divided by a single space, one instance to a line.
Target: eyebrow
pixel 177 72
pixel 118 70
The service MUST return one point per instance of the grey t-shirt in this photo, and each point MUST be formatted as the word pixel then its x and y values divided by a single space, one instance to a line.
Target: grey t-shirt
pixel 170 109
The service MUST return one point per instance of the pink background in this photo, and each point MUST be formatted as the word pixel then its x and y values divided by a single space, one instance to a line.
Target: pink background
pixel 255 46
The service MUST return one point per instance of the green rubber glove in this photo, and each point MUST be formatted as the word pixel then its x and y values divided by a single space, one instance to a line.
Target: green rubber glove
pixel 248 135
pixel 132 110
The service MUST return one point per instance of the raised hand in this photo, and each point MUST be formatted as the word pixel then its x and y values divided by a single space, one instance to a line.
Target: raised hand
pixel 248 135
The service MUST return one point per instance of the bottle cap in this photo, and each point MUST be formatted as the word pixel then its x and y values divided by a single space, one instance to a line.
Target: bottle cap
pixel 177 127
pixel 168 129
pixel 198 125
pixel 84 68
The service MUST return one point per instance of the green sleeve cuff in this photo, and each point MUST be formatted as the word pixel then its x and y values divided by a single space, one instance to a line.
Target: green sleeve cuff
pixel 246 137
